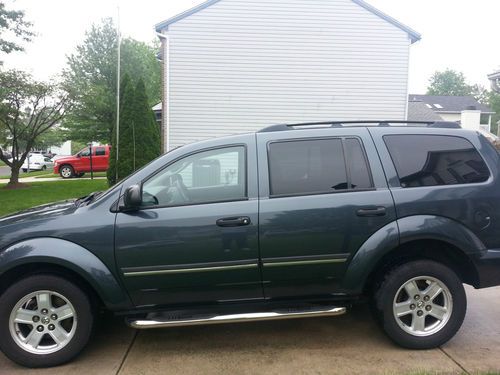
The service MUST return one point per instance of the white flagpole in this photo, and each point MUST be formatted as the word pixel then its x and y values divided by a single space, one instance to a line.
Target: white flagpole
pixel 118 91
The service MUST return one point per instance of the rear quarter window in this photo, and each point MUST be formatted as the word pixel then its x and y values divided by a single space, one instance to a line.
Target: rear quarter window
pixel 433 160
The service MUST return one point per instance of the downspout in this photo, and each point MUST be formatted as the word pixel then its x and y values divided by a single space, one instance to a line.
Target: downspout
pixel 165 96
pixel 407 98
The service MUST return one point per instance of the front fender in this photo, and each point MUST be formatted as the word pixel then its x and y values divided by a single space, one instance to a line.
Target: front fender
pixel 72 257
pixel 401 231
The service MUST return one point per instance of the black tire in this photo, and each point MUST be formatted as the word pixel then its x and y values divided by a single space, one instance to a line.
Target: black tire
pixel 67 167
pixel 392 286
pixel 84 320
pixel 44 168
pixel 25 170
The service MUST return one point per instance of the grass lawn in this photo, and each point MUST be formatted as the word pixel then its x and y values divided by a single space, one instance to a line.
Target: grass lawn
pixel 38 193
pixel 31 174
pixel 87 175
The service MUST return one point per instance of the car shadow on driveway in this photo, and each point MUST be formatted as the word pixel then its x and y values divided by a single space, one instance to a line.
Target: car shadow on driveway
pixel 348 344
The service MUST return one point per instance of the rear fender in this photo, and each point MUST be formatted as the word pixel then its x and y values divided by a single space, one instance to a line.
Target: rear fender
pixel 400 232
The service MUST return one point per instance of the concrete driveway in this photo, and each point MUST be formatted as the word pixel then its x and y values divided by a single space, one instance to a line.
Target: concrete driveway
pixel 349 344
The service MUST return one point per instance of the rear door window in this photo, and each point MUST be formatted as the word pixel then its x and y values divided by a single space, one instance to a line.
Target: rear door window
pixel 317 166
pixel 432 160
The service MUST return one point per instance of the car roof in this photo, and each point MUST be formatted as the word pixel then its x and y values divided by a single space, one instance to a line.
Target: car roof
pixel 362 123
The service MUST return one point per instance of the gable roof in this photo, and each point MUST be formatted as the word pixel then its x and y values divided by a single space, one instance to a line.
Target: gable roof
pixel 450 104
pixel 414 36
pixel 418 111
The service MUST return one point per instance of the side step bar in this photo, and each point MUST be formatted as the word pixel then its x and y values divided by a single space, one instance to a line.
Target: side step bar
pixel 158 321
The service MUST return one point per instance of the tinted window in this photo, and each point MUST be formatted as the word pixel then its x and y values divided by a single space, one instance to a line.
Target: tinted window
pixel 305 167
pixel 357 164
pixel 209 176
pixel 84 152
pixel 100 151
pixel 430 160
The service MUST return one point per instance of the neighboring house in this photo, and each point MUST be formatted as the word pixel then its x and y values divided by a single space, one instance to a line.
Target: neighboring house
pixel 233 66
pixel 157 110
pixel 495 81
pixel 59 149
pixel 463 109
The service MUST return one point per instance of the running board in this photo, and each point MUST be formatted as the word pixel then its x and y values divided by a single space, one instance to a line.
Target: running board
pixel 158 321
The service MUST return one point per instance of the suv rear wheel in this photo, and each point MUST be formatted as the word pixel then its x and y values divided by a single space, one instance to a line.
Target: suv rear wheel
pixel 66 171
pixel 44 321
pixel 421 304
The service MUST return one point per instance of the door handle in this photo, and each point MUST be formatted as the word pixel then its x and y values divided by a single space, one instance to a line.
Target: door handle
pixel 234 221
pixel 371 211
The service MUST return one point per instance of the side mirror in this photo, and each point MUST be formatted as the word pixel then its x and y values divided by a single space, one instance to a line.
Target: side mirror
pixel 132 199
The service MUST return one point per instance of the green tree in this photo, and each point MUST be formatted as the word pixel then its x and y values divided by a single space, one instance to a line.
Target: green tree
pixel 139 132
pixel 147 132
pixel 90 79
pixel 28 109
pixel 17 28
pixel 494 104
pixel 125 165
pixel 52 137
pixel 480 93
pixel 449 82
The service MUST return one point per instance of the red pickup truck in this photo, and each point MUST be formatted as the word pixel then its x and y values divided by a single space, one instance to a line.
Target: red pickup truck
pixel 79 164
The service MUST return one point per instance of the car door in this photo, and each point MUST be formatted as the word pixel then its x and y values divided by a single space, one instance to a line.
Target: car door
pixel 82 160
pixel 195 239
pixel 99 159
pixel 322 194
pixel 48 163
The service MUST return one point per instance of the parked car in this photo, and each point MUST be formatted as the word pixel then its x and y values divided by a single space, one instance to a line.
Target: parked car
pixel 6 154
pixel 79 164
pixel 293 221
pixel 36 162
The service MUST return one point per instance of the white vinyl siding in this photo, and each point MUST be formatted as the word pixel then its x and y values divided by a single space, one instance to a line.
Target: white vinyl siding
pixel 238 65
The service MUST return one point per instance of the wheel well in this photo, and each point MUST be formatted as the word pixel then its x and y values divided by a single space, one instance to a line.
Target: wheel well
pixel 25 270
pixel 436 250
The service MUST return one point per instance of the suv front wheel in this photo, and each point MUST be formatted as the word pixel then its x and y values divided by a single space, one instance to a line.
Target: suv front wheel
pixel 421 304
pixel 44 321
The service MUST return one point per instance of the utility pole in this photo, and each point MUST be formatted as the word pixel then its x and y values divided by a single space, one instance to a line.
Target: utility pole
pixel 118 91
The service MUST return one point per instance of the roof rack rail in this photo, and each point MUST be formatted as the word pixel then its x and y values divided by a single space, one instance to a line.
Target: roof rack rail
pixel 383 123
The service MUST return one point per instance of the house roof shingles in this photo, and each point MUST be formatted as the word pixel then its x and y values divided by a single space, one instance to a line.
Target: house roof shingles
pixel 449 104
pixel 418 111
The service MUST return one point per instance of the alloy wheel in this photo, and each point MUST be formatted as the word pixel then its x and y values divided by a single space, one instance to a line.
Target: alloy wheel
pixel 43 322
pixel 66 172
pixel 422 306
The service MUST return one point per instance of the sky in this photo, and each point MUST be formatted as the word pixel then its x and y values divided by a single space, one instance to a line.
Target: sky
pixel 463 35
